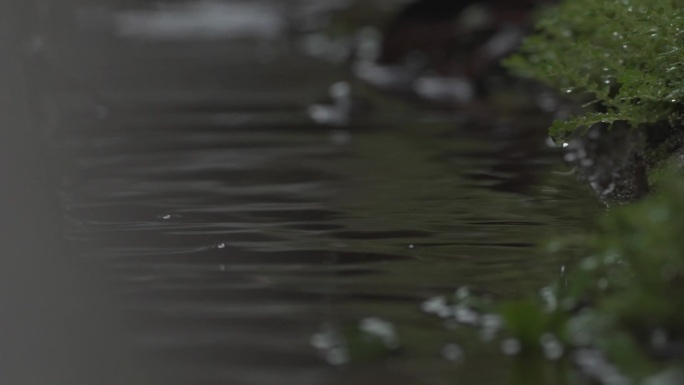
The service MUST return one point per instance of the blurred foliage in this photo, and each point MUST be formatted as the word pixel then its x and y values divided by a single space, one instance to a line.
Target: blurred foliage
pixel 623 57
pixel 625 297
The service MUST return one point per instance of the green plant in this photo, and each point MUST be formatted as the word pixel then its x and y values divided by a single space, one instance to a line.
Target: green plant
pixel 623 58
pixel 625 297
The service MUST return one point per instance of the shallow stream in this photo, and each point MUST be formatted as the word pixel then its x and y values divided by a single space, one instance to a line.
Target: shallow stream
pixel 254 246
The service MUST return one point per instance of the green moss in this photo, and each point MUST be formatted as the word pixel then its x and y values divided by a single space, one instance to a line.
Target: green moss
pixel 624 58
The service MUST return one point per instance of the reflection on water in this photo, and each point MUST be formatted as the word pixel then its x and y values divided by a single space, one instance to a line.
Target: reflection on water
pixel 241 233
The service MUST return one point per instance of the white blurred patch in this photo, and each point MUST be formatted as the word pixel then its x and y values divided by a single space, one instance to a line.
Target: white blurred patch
pixel 387 77
pixel 202 20
pixel 439 88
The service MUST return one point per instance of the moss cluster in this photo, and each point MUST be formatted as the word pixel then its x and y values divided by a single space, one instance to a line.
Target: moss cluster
pixel 624 58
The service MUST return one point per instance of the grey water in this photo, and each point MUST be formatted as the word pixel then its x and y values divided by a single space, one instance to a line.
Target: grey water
pixel 250 244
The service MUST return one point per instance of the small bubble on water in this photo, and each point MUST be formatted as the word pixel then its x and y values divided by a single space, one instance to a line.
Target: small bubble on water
pixel 411 246
pixel 221 246
pixel 565 144
pixel 166 216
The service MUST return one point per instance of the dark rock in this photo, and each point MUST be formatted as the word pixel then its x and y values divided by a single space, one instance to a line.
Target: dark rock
pixel 611 160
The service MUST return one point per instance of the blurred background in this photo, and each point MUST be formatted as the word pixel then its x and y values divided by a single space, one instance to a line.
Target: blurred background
pixel 268 192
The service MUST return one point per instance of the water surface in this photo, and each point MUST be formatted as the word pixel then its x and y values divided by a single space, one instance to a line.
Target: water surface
pixel 237 230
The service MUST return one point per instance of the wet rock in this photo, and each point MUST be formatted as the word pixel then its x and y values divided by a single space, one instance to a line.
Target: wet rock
pixel 611 161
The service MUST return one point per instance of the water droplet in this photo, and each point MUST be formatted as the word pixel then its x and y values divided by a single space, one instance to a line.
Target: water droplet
pixel 331 344
pixel 368 44
pixel 491 325
pixel 466 315
pixel 492 321
pixel 553 349
pixel 166 216
pixel 549 297
pixel 590 263
pixel 462 293
pixel 434 305
pixel 510 346
pixel 411 246
pixel 565 144
pixel 452 352
pixel 340 90
pixel 381 329
pixel 337 356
